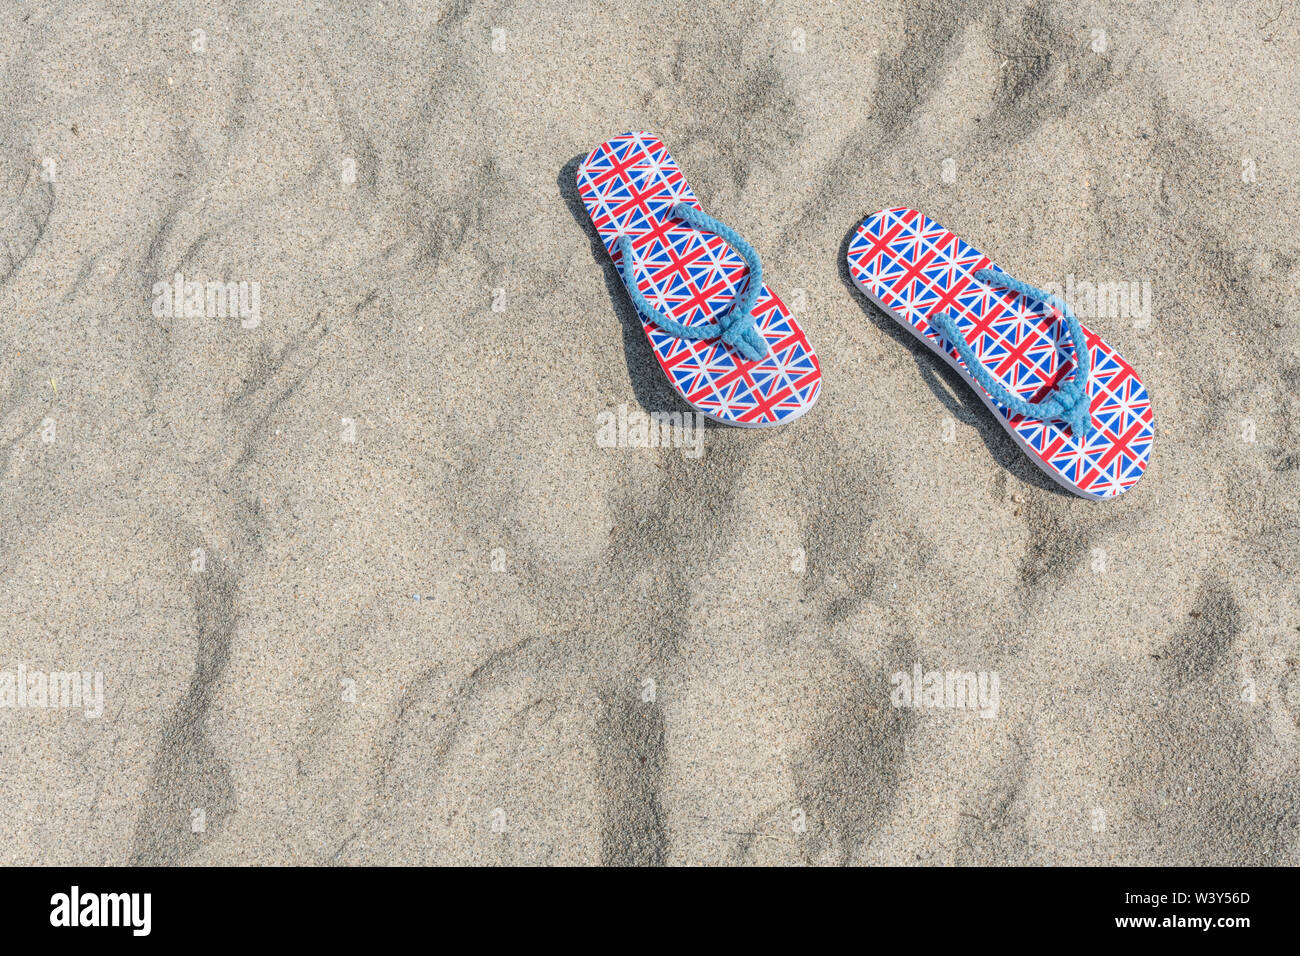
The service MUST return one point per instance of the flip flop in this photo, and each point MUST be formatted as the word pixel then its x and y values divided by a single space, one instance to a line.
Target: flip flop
pixel 1066 396
pixel 727 343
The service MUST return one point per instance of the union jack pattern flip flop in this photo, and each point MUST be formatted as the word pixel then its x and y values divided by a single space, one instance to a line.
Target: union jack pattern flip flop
pixel 913 268
pixel 629 185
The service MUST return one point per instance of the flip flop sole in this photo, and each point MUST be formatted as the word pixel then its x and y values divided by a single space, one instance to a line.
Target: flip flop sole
pixel 628 186
pixel 912 268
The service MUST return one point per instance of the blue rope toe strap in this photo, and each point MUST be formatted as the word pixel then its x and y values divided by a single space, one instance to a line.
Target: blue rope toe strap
pixel 737 327
pixel 1069 403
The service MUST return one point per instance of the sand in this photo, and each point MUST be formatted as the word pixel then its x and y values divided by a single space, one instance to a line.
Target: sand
pixel 362 586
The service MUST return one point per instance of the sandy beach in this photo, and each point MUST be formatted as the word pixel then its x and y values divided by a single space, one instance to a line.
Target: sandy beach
pixel 348 575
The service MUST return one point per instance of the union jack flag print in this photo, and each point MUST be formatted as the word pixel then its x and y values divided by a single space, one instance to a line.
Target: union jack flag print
pixel 629 185
pixel 913 268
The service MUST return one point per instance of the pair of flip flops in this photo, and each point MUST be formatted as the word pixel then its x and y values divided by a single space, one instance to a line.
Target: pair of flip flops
pixel 732 349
